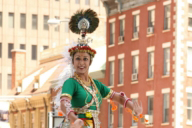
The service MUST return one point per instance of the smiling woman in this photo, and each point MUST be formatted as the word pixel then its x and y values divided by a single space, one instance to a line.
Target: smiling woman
pixel 81 96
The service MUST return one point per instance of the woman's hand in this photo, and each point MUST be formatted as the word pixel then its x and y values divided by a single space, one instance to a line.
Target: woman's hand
pixel 138 109
pixel 77 124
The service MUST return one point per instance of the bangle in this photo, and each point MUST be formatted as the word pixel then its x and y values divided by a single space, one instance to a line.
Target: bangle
pixel 125 103
pixel 112 95
pixel 69 112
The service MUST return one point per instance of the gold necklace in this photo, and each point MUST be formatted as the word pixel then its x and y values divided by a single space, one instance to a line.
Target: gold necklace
pixel 87 83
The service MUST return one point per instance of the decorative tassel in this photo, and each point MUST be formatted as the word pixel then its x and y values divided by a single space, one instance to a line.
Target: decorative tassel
pixel 114 107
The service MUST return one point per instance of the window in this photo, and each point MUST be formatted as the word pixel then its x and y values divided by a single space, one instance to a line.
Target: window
pixel 150 105
pixel 150 64
pixel 112 33
pixel 151 21
pixel 45 47
pixel 189 107
pixel 121 71
pixel 167 15
pixel 0 81
pixel 166 68
pixel 11 20
pixel 135 64
pixel 22 46
pixel 57 28
pixel 22 21
pixel 34 52
pixel 134 123
pixel 122 27
pixel 189 60
pixel 42 120
pixel 1 19
pixel 87 2
pixel 10 47
pixel 111 73
pixel 66 1
pixel 32 120
pixel 136 23
pixel 0 50
pixel 120 116
pixel 24 120
pixel 190 15
pixel 77 1
pixel 46 18
pixel 67 27
pixel 110 116
pixel 9 81
pixel 96 3
pixel 165 108
pixel 34 22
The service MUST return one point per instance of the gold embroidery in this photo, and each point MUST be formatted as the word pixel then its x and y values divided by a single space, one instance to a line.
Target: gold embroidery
pixel 67 95
pixel 109 94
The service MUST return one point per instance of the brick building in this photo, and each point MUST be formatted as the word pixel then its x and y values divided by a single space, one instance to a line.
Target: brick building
pixel 149 53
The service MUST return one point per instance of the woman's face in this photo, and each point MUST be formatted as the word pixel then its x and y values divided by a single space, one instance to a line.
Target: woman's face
pixel 81 62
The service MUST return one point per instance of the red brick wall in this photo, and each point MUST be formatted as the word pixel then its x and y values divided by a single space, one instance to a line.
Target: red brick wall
pixel 158 83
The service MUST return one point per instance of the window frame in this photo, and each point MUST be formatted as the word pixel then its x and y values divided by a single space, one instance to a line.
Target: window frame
pixel 166 61
pixel 1 44
pixel 150 65
pixel 10 47
pixel 189 108
pixel 34 53
pixel 122 27
pixel 120 116
pixel 1 19
pixel 23 46
pixel 45 24
pixel 151 18
pixel 111 73
pixel 11 24
pixel 110 116
pixel 34 22
pixel 9 81
pixel 22 20
pixel 134 123
pixel 164 100
pixel 136 23
pixel 112 33
pixel 121 70
pixel 167 17
pixel 149 105
pixel 190 16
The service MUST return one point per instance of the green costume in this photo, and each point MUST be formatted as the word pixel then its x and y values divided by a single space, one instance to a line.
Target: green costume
pixel 81 97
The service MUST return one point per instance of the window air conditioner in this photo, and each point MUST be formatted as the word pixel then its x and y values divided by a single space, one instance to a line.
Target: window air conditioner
pixel 121 38
pixel 135 35
pixel 134 77
pixel 18 89
pixel 150 30
pixel 35 86
pixel 149 118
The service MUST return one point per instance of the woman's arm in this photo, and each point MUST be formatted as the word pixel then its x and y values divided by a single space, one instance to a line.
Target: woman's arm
pixel 122 99
pixel 117 97
pixel 66 108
